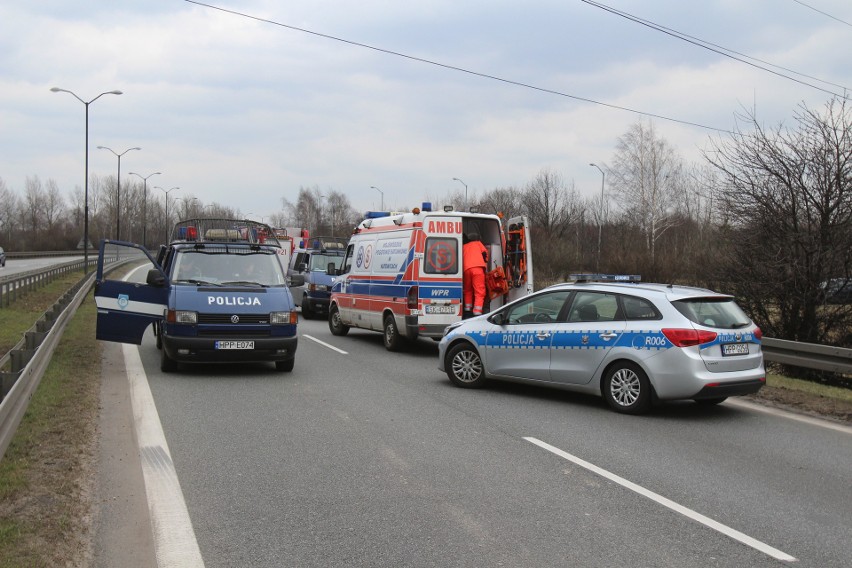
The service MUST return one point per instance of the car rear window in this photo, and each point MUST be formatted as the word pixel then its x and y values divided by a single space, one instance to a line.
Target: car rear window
pixel 716 312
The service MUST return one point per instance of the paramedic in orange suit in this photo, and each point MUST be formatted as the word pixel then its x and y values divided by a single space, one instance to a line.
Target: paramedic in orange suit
pixel 474 261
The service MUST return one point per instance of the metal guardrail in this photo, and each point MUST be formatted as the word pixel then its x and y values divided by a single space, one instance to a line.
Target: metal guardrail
pixel 36 349
pixel 808 355
pixel 13 287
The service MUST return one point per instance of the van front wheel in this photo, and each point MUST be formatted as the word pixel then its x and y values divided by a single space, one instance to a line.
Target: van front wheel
pixel 393 340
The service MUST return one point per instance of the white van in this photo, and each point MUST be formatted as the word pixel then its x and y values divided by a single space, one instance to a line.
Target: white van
pixel 402 272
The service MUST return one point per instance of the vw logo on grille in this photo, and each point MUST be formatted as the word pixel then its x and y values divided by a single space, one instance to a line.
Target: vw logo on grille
pixel 235 319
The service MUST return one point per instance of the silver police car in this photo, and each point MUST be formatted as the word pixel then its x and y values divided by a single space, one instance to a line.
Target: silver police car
pixel 632 343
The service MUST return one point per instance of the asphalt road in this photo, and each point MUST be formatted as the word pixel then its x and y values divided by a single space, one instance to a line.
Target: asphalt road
pixel 20 265
pixel 361 457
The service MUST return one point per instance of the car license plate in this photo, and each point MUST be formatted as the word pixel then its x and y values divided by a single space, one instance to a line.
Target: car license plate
pixel 440 309
pixel 735 349
pixel 234 345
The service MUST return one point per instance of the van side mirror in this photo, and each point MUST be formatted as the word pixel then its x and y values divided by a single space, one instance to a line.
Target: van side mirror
pixel 301 267
pixel 297 280
pixel 330 269
pixel 155 278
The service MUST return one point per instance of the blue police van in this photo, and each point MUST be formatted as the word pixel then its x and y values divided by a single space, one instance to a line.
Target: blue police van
pixel 217 292
pixel 311 280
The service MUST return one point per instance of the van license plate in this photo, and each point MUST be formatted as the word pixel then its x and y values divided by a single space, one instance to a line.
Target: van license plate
pixel 735 349
pixel 234 345
pixel 440 309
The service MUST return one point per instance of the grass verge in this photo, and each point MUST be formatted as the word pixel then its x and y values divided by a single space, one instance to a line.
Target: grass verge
pixel 45 476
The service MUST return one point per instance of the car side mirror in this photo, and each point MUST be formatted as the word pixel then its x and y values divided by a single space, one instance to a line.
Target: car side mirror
pixel 330 269
pixel 155 278
pixel 498 318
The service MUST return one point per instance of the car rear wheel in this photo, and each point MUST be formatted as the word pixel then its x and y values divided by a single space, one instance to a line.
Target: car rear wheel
pixel 335 325
pixel 393 340
pixel 285 366
pixel 626 388
pixel 167 364
pixel 464 367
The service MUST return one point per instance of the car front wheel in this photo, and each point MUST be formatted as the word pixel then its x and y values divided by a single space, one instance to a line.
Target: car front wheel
pixel 626 388
pixel 464 367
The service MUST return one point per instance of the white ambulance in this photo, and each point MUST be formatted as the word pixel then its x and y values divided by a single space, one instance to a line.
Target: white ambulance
pixel 402 272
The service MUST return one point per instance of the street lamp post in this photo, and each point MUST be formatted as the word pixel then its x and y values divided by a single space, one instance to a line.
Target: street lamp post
pixel 382 208
pixel 167 192
pixel 465 192
pixel 86 194
pixel 118 190
pixel 145 206
pixel 600 219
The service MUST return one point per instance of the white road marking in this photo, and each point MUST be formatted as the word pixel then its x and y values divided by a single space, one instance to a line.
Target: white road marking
pixel 728 531
pixel 812 420
pixel 324 344
pixel 174 537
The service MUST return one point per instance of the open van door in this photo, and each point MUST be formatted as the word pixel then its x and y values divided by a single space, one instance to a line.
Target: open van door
pixel 518 262
pixel 127 307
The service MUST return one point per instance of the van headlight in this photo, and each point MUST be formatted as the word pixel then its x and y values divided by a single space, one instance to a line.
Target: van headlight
pixel 182 316
pixel 283 318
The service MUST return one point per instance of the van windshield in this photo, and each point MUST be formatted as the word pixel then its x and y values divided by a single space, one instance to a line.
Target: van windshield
pixel 320 261
pixel 231 267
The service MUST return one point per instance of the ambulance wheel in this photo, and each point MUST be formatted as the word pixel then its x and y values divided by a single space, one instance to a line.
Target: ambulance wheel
pixel 285 366
pixel 464 367
pixel 307 312
pixel 167 364
pixel 626 388
pixel 393 340
pixel 336 326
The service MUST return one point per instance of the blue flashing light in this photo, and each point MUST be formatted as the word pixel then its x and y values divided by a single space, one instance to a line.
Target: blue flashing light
pixel 376 214
pixel 427 206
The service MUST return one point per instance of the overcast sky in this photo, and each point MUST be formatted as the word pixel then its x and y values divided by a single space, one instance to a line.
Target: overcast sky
pixel 245 110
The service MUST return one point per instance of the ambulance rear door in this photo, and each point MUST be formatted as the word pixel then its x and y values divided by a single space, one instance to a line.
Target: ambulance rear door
pixel 440 274
pixel 518 261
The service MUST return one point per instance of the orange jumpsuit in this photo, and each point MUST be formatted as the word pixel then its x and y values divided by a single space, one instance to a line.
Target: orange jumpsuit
pixel 474 256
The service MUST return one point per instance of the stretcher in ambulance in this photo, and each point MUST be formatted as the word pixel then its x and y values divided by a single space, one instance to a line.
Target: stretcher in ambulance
pixel 402 273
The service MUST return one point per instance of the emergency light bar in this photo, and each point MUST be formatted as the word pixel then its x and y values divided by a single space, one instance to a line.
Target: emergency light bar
pixel 605 277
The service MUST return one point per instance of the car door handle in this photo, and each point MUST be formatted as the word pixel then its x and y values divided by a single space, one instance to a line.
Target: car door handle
pixel 608 336
pixel 543 334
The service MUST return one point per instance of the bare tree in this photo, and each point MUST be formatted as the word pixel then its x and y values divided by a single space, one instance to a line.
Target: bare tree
pixel 788 195
pixel 646 179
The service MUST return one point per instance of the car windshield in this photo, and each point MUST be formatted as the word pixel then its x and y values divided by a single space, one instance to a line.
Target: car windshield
pixel 255 268
pixel 716 312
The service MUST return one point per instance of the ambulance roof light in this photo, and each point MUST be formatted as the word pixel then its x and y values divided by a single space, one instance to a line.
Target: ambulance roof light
pixel 427 206
pixel 377 214
pixel 448 208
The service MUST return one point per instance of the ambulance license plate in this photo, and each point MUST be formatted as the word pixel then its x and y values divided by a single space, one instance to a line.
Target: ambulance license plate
pixel 735 349
pixel 440 309
pixel 234 345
